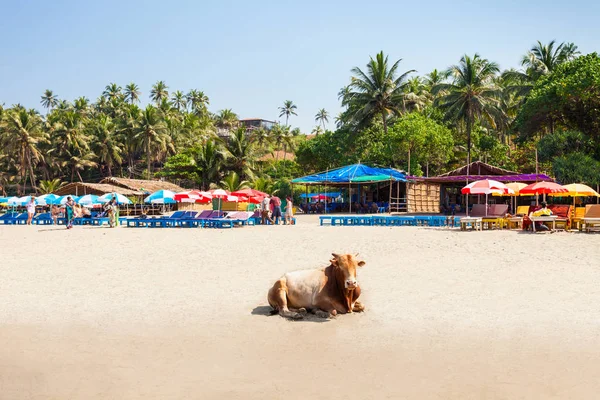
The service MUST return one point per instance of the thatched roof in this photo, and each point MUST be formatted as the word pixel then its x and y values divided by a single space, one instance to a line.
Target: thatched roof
pixel 278 155
pixel 83 188
pixel 479 168
pixel 142 185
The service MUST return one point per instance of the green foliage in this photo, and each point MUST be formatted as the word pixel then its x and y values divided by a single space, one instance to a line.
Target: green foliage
pixel 576 168
pixel 233 183
pixel 50 186
pixel 561 143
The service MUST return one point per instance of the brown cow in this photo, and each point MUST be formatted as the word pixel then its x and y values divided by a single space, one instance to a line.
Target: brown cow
pixel 325 291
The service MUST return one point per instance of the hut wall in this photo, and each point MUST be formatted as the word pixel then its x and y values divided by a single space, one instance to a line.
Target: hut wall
pixel 423 197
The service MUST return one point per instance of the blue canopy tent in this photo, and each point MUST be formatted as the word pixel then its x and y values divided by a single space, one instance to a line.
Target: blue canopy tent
pixel 355 174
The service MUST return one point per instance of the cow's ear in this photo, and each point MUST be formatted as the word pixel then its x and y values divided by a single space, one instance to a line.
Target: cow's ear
pixel 334 262
pixel 361 263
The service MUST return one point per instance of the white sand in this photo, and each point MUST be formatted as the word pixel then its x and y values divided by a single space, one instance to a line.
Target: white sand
pixel 95 313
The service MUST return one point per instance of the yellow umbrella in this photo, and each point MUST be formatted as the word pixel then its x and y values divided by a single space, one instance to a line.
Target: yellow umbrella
pixel 577 190
pixel 516 187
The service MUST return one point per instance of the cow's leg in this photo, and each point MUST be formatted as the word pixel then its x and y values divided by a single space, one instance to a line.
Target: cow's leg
pixel 357 305
pixel 301 310
pixel 278 300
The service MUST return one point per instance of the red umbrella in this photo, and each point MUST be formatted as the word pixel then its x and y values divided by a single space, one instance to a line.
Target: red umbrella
pixel 486 186
pixel 542 187
pixel 320 197
pixel 186 197
pixel 249 193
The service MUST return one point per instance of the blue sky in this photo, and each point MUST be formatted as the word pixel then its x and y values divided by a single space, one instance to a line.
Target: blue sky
pixel 250 56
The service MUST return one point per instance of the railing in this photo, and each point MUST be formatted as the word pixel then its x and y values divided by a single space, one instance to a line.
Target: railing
pixel 398 204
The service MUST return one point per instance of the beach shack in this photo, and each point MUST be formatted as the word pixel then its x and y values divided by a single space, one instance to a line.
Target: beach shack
pixel 443 192
pixel 359 181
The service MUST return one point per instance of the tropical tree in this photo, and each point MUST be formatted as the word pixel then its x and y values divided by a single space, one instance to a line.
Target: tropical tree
pixel 240 153
pixel 179 100
pixel 261 137
pixel 22 136
pixel 322 116
pixel 132 93
pixel 112 91
pixel 226 119
pixel 317 131
pixel 151 135
pixel 209 159
pixel 198 101
pixel 107 146
pixel 49 100
pixel 472 95
pixel 50 186
pixel 232 183
pixel 289 108
pixel 159 92
pixel 380 91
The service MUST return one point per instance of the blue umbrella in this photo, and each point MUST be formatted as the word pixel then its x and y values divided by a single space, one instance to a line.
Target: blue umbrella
pixel 119 197
pixel 63 199
pixel 161 197
pixel 89 200
pixel 47 199
pixel 13 201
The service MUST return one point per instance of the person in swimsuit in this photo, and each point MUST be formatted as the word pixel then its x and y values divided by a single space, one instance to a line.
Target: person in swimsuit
pixel 289 211
pixel 30 210
pixel 70 212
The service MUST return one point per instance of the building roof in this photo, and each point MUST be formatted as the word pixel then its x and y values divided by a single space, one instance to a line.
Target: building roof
pixel 255 119
pixel 355 173
pixel 124 186
pixel 143 185
pixel 478 168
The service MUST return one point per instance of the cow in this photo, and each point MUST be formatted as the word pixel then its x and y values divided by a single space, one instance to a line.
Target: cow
pixel 324 292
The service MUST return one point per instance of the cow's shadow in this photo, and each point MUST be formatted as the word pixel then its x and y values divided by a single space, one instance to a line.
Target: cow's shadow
pixel 267 311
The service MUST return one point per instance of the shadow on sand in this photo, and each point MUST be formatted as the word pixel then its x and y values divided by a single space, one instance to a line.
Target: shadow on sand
pixel 267 311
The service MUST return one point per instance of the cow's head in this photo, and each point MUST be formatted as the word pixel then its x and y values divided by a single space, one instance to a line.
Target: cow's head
pixel 346 265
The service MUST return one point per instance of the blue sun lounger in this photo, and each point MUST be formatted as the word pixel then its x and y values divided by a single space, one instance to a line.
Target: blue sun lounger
pixel 43 219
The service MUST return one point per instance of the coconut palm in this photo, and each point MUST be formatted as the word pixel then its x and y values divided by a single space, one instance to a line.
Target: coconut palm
pixel 69 133
pixel 198 101
pixel 261 137
pixel 322 116
pixel 49 100
pixel 472 95
pixel 232 183
pixel 226 119
pixel 107 146
pixel 50 186
pixel 209 159
pixel 77 161
pixel 151 135
pixel 179 100
pixel 159 92
pixel 317 130
pixel 379 91
pixel 240 152
pixel 132 93
pixel 289 108
pixel 112 91
pixel 22 136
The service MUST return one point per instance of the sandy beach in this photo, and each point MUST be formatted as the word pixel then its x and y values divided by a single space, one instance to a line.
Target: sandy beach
pixel 99 313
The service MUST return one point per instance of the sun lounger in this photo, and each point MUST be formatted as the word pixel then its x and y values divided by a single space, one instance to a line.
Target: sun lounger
pixel 495 216
pixel 563 214
pixel 577 220
pixel 154 222
pixel 591 219
pixel 8 218
pixel 43 219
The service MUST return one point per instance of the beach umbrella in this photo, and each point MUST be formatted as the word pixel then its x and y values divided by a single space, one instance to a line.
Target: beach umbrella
pixel 161 197
pixel 105 198
pixel 187 197
pixel 577 190
pixel 486 186
pixel 89 200
pixel 516 188
pixel 321 197
pixel 46 199
pixel 542 188
pixel 13 201
pixel 219 194
pixel 63 199
pixel 249 193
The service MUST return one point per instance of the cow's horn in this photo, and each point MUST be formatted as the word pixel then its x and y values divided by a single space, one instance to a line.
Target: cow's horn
pixel 335 255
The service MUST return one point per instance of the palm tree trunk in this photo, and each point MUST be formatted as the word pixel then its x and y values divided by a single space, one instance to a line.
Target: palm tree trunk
pixel 323 122
pixel 468 142
pixel 287 117
pixel 148 156
pixel 384 123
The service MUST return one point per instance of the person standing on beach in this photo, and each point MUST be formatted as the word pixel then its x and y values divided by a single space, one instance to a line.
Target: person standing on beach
pixel 264 212
pixel 30 210
pixel 289 211
pixel 69 212
pixel 276 208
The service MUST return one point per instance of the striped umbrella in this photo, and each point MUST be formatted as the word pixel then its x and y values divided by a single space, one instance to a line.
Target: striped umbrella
pixel 46 199
pixel 89 200
pixel 161 197
pixel 63 199
pixel 105 198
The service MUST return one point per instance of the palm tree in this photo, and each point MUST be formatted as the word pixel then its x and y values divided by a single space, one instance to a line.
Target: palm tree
pixel 128 128
pixel 322 116
pixel 112 91
pixel 69 133
pixel 22 136
pixel 226 119
pixel 472 95
pixel 198 101
pixel 261 137
pixel 209 160
pixel 378 92
pixel 317 130
pixel 179 100
pixel 132 93
pixel 151 135
pixel 49 100
pixel 417 97
pixel 81 105
pixel 232 183
pixel 50 186
pixel 107 146
pixel 289 108
pixel 77 161
pixel 241 153
pixel 159 92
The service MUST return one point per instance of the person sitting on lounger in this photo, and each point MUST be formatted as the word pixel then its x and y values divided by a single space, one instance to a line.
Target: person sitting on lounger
pixel 544 211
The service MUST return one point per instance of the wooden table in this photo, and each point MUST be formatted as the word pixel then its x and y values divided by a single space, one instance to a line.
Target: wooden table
pixel 475 222
pixel 591 223
pixel 544 218
pixel 515 220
